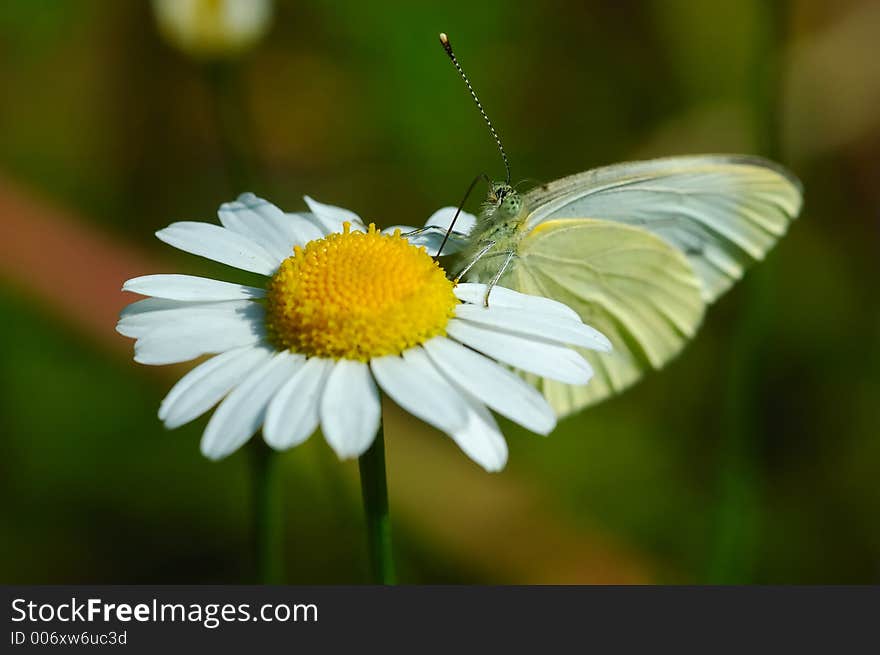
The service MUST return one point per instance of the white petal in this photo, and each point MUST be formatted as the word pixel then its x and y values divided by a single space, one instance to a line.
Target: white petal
pixel 263 222
pixel 414 383
pixel 219 244
pixel 432 238
pixel 331 218
pixel 350 408
pixel 151 305
pixel 541 358
pixel 481 440
pixel 292 416
pixel 437 226
pixel 203 387
pixel 183 315
pixel 442 218
pixel 504 391
pixel 190 287
pixel 315 226
pixel 551 328
pixel 183 340
pixel 241 413
pixel 504 297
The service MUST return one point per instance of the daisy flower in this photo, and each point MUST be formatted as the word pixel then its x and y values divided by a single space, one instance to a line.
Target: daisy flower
pixel 346 310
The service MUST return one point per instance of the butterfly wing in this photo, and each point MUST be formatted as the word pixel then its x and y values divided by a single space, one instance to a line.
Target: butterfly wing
pixel 630 284
pixel 723 212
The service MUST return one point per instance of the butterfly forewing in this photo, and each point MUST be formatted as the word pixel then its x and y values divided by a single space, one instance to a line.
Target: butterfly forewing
pixel 723 212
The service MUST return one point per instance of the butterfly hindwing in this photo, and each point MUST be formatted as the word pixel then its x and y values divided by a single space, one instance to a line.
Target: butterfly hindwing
pixel 628 283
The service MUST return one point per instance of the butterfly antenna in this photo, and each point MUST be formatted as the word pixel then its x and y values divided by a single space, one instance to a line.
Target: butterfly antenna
pixel 447 46
pixel 481 176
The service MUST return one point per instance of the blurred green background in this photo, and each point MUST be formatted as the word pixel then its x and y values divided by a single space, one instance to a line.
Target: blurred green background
pixel 754 457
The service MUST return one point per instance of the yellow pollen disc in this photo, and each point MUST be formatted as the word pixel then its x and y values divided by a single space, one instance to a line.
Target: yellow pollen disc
pixel 357 296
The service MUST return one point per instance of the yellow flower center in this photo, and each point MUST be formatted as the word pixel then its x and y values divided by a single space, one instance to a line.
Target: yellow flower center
pixel 357 295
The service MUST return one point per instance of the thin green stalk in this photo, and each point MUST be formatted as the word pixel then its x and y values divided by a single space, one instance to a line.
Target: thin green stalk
pixel 232 122
pixel 738 507
pixel 738 517
pixel 233 129
pixel 375 493
pixel 268 528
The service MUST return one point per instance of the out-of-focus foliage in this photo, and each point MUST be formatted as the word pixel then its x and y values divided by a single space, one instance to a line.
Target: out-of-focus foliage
pixel 355 104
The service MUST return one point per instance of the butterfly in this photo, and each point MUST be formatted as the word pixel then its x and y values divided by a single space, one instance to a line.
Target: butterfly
pixel 638 250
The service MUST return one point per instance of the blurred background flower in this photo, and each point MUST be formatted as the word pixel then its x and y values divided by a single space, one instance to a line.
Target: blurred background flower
pixel 106 135
pixel 213 28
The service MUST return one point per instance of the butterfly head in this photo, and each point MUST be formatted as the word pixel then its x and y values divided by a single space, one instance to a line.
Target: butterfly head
pixel 504 201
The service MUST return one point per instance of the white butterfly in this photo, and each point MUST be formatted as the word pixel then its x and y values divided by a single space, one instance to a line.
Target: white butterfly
pixel 637 249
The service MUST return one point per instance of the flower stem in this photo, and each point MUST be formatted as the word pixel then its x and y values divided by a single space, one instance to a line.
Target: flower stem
pixel 375 493
pixel 739 516
pixel 268 528
pixel 232 121
pixel 234 128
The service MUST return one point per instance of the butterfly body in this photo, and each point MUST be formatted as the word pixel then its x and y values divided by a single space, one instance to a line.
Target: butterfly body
pixel 496 241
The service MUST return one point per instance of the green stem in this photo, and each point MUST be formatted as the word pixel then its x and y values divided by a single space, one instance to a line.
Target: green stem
pixel 232 122
pixel 233 128
pixel 738 517
pixel 268 527
pixel 375 492
pixel 738 510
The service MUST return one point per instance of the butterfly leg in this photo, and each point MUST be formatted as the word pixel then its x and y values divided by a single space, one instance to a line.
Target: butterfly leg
pixel 487 246
pixel 508 257
pixel 418 231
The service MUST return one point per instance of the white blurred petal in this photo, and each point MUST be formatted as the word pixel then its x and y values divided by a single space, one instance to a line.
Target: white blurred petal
pixel 220 28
